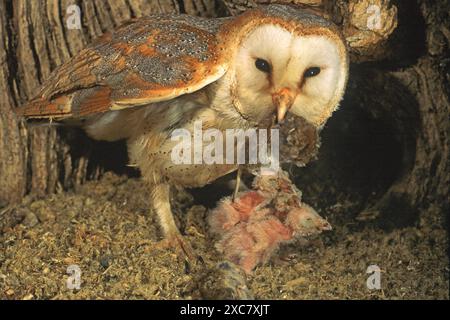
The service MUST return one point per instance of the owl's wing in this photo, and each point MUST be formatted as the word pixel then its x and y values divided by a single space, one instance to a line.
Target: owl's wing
pixel 148 60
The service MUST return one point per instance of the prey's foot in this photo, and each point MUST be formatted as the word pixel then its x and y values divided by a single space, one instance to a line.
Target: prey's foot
pixel 181 246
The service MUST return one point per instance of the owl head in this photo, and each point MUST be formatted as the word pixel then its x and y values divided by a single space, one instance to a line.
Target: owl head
pixel 285 60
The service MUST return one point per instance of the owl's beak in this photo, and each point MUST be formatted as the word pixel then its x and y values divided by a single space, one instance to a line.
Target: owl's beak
pixel 283 101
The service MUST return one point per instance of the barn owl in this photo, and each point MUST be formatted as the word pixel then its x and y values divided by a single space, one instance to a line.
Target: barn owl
pixel 162 72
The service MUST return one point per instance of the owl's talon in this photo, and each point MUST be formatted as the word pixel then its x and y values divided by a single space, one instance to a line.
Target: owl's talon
pixel 181 246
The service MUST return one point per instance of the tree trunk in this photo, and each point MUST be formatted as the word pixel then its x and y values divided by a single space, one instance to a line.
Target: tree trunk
pixel 405 89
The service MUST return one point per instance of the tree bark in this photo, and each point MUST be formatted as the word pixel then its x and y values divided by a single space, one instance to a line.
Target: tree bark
pixel 413 96
pixel 34 40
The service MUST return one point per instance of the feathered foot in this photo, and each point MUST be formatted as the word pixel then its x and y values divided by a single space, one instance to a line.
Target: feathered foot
pixel 172 236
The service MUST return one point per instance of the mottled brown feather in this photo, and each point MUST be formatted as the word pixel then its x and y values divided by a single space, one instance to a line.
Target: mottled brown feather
pixel 148 60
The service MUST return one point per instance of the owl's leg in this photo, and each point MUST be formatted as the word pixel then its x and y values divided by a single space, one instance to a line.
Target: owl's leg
pixel 173 238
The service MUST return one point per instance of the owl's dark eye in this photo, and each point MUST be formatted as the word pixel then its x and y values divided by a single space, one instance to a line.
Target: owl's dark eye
pixel 263 65
pixel 311 72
